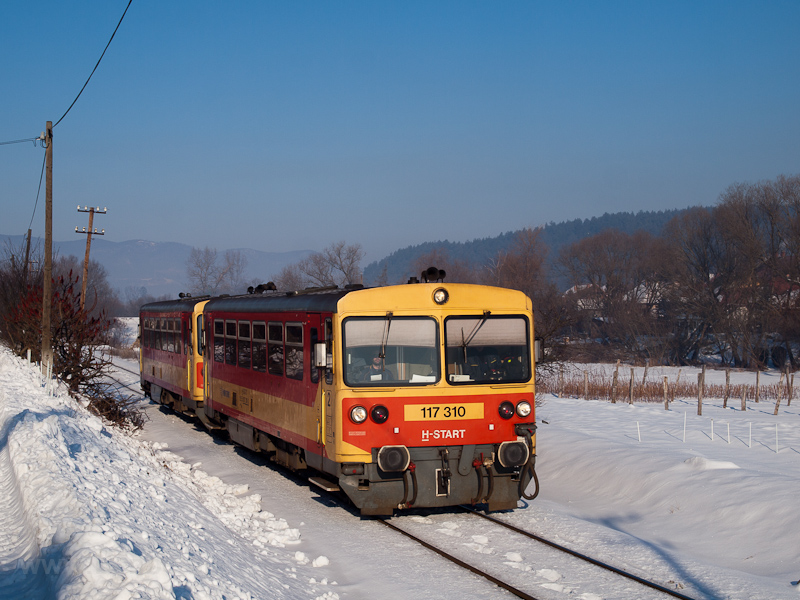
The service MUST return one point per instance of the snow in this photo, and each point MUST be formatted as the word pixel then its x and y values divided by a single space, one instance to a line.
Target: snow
pixel 88 511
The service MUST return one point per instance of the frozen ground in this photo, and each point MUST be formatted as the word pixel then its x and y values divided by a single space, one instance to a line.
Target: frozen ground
pixel 87 511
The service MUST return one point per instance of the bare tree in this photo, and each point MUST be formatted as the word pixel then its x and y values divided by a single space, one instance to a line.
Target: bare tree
pixel 523 268
pixel 338 264
pixel 619 287
pixel 100 296
pixel 290 278
pixel 208 276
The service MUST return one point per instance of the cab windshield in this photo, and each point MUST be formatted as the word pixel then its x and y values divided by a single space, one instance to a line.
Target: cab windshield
pixel 390 351
pixel 487 349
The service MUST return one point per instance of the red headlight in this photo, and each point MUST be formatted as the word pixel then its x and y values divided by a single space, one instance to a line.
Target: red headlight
pixel 506 410
pixel 379 414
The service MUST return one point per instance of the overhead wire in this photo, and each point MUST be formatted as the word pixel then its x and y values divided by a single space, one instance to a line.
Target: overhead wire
pixel 35 139
pixel 41 176
pixel 19 141
pixel 97 65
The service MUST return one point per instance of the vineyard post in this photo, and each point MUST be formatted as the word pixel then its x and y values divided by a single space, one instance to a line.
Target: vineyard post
pixel 666 396
pixel 744 398
pixel 758 379
pixel 585 385
pixel 630 389
pixel 700 394
pixel 727 387
pixel 703 382
pixel 790 385
pixel 778 400
pixel 614 385
pixel 646 365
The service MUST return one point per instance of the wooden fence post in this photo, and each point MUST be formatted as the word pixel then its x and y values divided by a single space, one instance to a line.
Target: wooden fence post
pixel 585 385
pixel 778 401
pixel 790 384
pixel 614 385
pixel 758 379
pixel 630 389
pixel 703 382
pixel 666 396
pixel 727 387
pixel 744 398
pixel 700 394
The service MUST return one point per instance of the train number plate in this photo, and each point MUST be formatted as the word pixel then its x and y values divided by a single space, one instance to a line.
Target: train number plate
pixel 443 412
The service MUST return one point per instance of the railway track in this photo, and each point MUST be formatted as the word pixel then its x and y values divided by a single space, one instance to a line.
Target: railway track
pixel 519 593
pixel 515 591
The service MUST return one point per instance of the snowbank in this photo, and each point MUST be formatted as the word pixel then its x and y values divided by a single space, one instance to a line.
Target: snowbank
pixel 103 515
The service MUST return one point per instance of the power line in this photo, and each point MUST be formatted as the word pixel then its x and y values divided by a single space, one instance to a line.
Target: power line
pixel 97 65
pixel 20 141
pixel 41 176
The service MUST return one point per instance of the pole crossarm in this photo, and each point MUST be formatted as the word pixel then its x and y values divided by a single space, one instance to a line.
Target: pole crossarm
pixel 89 233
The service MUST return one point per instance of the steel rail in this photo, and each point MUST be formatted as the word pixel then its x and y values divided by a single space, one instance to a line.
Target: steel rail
pixel 517 592
pixel 583 557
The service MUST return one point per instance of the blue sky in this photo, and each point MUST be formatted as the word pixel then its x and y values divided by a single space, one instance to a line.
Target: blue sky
pixel 291 125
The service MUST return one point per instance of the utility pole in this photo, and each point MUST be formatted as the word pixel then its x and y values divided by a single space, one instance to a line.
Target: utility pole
pixel 89 234
pixel 47 292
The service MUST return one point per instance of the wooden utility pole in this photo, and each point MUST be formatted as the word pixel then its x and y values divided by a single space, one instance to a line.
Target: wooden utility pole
pixel 47 292
pixel 89 233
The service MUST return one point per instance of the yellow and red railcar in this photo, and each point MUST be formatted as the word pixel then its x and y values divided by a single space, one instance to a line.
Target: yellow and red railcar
pixel 170 357
pixel 416 395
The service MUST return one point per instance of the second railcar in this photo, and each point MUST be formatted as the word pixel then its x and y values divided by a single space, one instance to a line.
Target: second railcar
pixel 170 355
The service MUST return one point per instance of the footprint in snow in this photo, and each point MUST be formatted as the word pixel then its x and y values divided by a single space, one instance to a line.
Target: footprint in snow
pixel 479 548
pixel 549 575
pixel 449 528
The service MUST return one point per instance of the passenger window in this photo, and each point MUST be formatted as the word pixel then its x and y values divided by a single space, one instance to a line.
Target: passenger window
pixel 230 343
pixel 244 359
pixel 163 334
pixel 294 351
pixel 275 331
pixel 219 340
pixel 260 347
pixel 314 369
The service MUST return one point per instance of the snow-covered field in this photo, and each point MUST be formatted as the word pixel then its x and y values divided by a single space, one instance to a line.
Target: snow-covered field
pixel 87 511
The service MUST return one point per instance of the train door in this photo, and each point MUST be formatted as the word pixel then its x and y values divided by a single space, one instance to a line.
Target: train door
pixel 186 348
pixel 315 395
pixel 328 389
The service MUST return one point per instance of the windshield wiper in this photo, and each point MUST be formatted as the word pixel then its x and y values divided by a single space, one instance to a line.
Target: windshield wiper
pixel 385 339
pixel 473 333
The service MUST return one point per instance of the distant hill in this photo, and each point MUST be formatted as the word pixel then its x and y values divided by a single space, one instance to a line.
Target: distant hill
pixel 480 251
pixel 158 266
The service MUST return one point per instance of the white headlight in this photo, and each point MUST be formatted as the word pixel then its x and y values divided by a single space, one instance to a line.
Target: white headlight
pixel 523 409
pixel 358 414
pixel 441 296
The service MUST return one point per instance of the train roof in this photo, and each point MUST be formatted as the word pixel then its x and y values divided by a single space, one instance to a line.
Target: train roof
pixel 177 305
pixel 303 301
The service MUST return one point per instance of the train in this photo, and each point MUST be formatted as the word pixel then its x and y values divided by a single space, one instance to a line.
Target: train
pixel 407 396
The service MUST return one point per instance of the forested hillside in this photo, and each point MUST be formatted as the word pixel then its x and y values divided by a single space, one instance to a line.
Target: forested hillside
pixel 399 265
